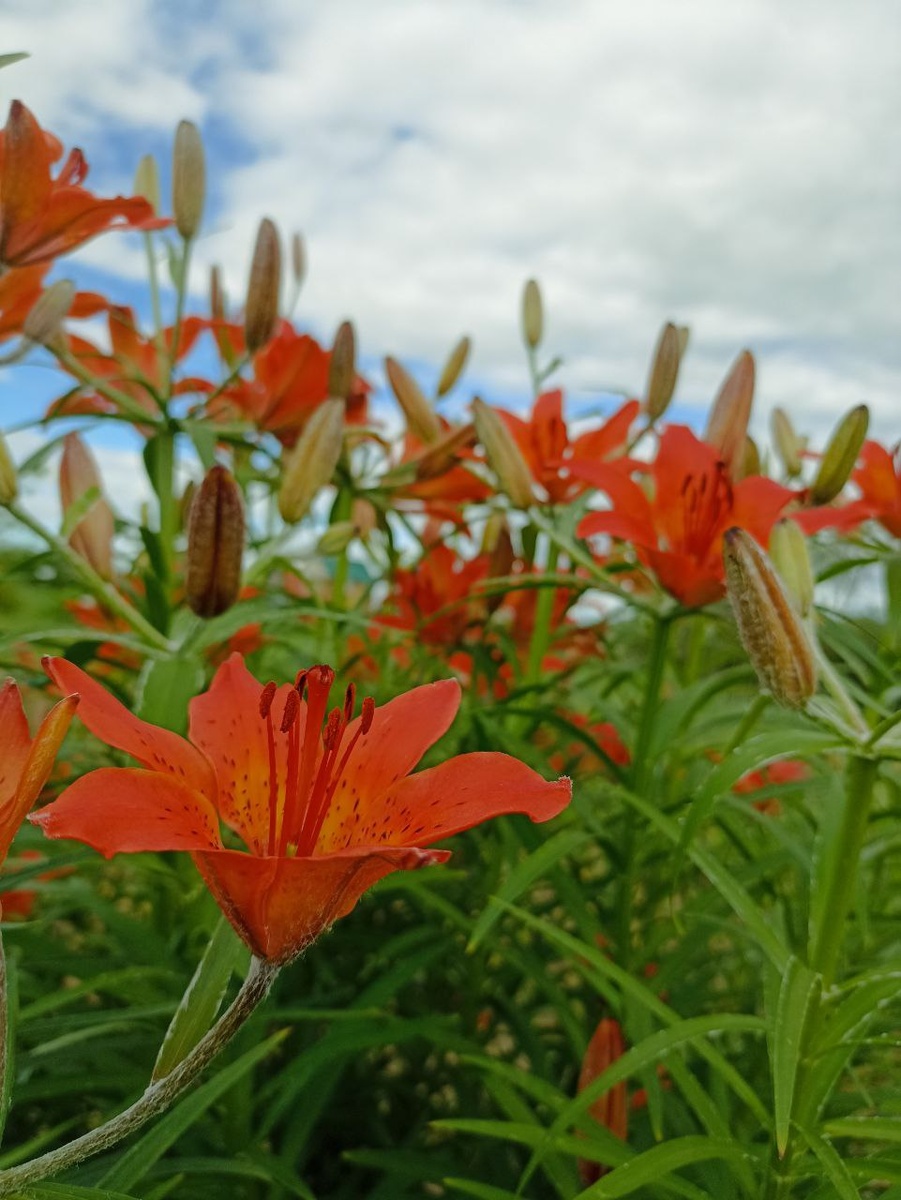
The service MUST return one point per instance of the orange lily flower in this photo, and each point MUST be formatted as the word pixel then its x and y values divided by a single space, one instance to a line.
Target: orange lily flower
pixel 25 762
pixel 545 444
pixel 678 533
pixel 324 804
pixel 19 292
pixel 42 217
pixel 290 381
pixel 135 365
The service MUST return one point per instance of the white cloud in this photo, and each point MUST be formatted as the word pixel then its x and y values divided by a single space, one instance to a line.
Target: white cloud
pixel 730 166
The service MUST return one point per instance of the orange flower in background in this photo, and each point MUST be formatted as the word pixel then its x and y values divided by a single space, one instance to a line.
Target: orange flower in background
pixel 42 217
pixel 324 802
pixel 609 1110
pixel 135 364
pixel 545 444
pixel 19 292
pixel 439 597
pixel 290 381
pixel 783 771
pixel 879 479
pixel 678 532
pixel 25 762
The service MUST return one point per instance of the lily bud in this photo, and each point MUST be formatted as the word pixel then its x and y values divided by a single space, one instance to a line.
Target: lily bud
pixel 147 181
pixel 788 445
pixel 664 372
pixel 606 1046
pixel 503 454
pixel 442 455
pixel 422 419
pixel 684 334
pixel 215 544
pixel 298 259
pixel 727 425
pixel 788 550
pixel 342 371
pixel 749 461
pixel 44 321
pixel 336 538
pixel 532 314
pixel 453 368
pixel 261 309
pixel 188 179
pixel 217 295
pixel 92 536
pixel 770 628
pixel 840 455
pixel 9 479
pixel 311 464
pixel 364 515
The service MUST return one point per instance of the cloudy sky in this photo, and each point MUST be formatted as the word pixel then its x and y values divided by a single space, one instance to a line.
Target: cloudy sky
pixel 729 164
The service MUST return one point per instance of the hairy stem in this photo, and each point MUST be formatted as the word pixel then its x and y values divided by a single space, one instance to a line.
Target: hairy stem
pixel 158 1096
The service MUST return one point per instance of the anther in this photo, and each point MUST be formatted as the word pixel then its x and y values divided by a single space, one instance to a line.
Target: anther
pixel 266 698
pixel 300 682
pixel 350 699
pixel 367 713
pixel 333 728
pixel 292 708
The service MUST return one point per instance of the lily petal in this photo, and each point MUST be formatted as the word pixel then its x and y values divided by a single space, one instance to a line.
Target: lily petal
pixel 155 748
pixel 278 906
pixel 123 809
pixel 444 800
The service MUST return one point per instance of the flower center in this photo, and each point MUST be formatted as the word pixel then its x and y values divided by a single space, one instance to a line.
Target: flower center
pixel 704 498
pixel 314 762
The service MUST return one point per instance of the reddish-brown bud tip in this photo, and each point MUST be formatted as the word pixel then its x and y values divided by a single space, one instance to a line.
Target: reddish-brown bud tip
pixel 215 544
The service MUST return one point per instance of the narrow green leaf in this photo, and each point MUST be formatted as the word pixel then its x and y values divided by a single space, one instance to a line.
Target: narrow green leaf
pixel 78 510
pixel 482 1191
pixel 9 995
pixel 798 992
pixel 879 1129
pixel 751 755
pixel 136 1162
pixel 835 1169
pixel 69 1191
pixel 7 60
pixel 654 1164
pixel 200 1003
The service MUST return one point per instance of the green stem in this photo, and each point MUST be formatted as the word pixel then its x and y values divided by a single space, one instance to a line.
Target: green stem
pixel 544 611
pixel 341 512
pixel 841 867
pixel 180 295
pixel 164 485
pixel 104 592
pixel 5 1047
pixel 158 1096
pixel 125 403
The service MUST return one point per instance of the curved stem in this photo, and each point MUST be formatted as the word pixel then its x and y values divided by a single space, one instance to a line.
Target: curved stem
pixel 158 1096
pixel 544 609
pixel 95 583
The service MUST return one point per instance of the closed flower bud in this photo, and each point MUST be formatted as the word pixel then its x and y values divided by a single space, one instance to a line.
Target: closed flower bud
pixel 532 314
pixel 215 544
pixel 749 461
pixel 311 464
pixel 342 371
pixel 770 628
pixel 788 551
pixel 840 455
pixel 9 479
pixel 422 419
pixel 364 515
pixel 217 295
pixel 261 309
pixel 298 259
pixel 503 454
pixel 45 320
pixel 337 538
pixel 609 1110
pixel 664 372
pixel 727 425
pixel 788 445
pixel 147 182
pixel 453 368
pixel 442 455
pixel 188 179
pixel 92 536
